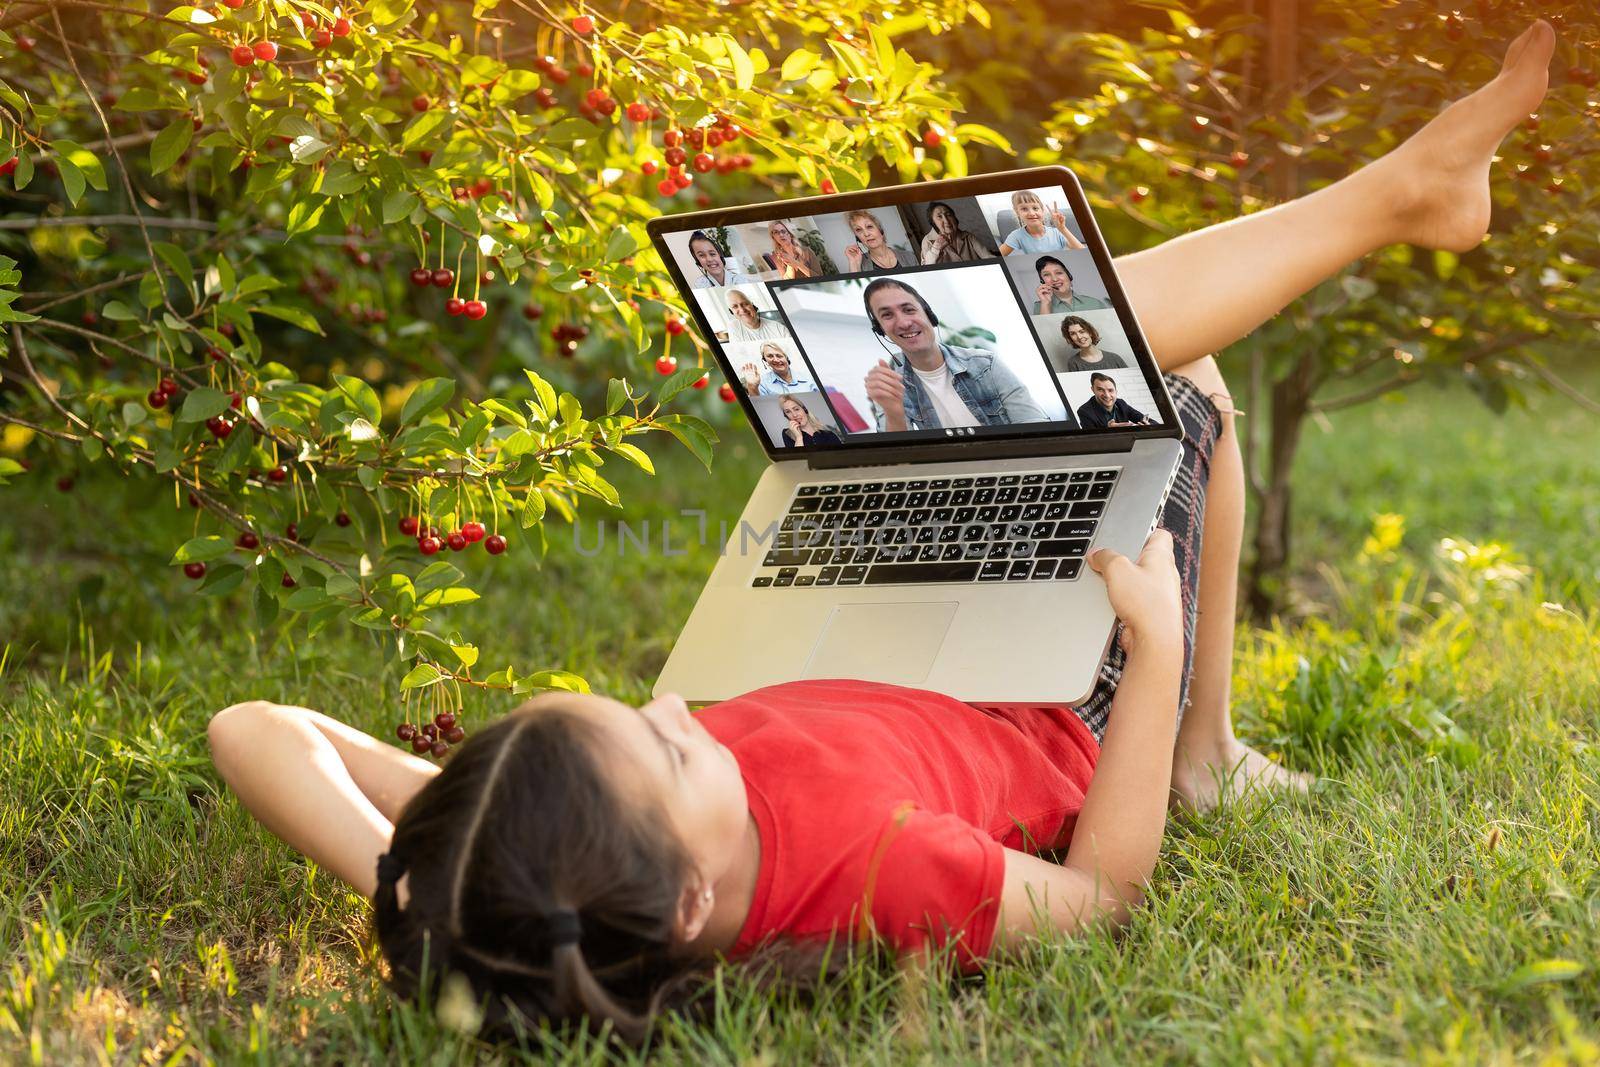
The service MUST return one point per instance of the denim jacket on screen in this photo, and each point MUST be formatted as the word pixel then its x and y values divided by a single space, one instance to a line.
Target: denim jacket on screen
pixel 994 395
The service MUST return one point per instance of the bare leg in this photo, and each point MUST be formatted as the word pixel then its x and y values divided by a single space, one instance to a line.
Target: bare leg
pixel 1208 760
pixel 1432 191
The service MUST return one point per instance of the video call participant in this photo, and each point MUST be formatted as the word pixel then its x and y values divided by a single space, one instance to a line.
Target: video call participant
pixel 713 264
pixel 871 246
pixel 779 377
pixel 747 323
pixel 1055 293
pixel 932 385
pixel 804 427
pixel 947 242
pixel 1087 353
pixel 1034 235
pixel 1104 411
pixel 791 258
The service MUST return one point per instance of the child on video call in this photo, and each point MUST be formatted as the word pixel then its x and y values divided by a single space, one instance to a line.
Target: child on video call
pixel 583 859
pixel 1033 235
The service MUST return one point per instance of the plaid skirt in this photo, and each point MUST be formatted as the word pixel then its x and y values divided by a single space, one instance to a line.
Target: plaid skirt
pixel 1183 516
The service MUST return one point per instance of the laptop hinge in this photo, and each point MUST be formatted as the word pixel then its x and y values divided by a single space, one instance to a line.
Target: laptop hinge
pixel 963 452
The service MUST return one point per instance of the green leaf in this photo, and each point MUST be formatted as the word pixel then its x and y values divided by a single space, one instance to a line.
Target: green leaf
pixel 292 315
pixel 850 59
pixel 636 456
pixel 801 61
pixel 420 675
pixel 467 654
pixel 178 260
pixel 202 549
pixel 202 403
pixel 429 396
pixel 455 594
pixel 616 395
pixel 361 396
pixel 545 392
pixel 307 598
pixel 170 144
pixel 303 217
pixel 744 71
pixel 72 179
pixel 117 311
pixel 532 507
pixel 435 575
pixel 423 127
pixel 398 204
pixel 680 380
pixel 221 581
pixel 620 244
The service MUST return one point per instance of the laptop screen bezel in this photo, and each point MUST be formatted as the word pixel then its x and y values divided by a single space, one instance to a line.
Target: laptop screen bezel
pixel 870 446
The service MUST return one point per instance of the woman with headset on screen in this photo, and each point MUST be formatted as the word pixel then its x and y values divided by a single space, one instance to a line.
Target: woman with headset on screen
pixel 712 263
pixel 803 428
pixel 872 250
pixel 947 242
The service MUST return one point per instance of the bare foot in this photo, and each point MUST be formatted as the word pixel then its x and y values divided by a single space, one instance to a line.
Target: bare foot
pixel 1234 772
pixel 1440 177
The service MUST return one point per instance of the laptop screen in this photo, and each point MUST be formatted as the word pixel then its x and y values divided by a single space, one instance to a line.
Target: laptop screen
pixel 946 317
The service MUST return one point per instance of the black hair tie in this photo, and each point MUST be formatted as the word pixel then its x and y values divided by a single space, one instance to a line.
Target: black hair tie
pixel 390 868
pixel 563 928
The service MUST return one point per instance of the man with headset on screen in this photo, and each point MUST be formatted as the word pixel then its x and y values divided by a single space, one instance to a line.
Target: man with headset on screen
pixel 931 385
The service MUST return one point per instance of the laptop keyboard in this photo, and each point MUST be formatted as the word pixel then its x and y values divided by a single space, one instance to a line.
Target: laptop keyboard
pixel 1023 527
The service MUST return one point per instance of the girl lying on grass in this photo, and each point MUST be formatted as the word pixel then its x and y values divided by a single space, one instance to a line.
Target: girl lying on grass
pixel 575 859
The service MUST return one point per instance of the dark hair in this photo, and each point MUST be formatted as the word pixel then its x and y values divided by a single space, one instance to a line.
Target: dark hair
pixel 1038 266
pixel 560 906
pixel 936 205
pixel 1070 320
pixel 701 235
pixel 894 283
pixel 1097 377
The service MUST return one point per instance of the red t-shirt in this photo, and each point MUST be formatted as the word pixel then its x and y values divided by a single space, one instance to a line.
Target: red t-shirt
pixel 885 810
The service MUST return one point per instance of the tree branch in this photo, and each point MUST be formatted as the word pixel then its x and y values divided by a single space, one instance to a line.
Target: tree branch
pixel 1566 389
pixel 1361 396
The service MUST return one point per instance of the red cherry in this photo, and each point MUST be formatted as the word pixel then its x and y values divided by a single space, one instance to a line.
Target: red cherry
pixel 474 532
pixel 242 55
pixel 827 186
pixel 544 97
pixel 567 348
pixel 671 138
pixel 725 391
pixel 194 570
pixel 156 399
pixel 279 473
pixel 702 381
pixel 666 364
pixel 266 51
pixel 169 387
pixel 932 138
pixel 675 156
pixel 585 70
pixel 234 4
pixel 713 138
pixel 583 25
pixel 439 749
pixel 494 544
pixel 292 533
pixel 25 43
pixel 639 112
pixel 457 541
pixel 1531 123
pixel 649 167
pixel 408 525
pixel 421 277
pixel 476 309
pixel 65 483
pixel 194 501
pixel 696 137
pixel 704 162
pixel 219 426
pixel 443 277
pixel 405 731
pixel 1543 153
pixel 559 76
pixel 341 519
pixel 675 326
pixel 420 103
pixel 1136 194
pixel 248 540
pixel 420 744
pixel 455 735
pixel 9 166
pixel 1239 159
pixel 666 187
pixel 532 312
pixel 595 97
pixel 341 27
pixel 321 37
pixel 455 306
pixel 429 546
pixel 683 181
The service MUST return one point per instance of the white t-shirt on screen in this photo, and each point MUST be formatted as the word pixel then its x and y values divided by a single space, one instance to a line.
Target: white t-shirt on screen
pixel 947 404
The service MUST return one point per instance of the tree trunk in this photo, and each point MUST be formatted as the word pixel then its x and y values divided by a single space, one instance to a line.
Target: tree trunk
pixel 1291 401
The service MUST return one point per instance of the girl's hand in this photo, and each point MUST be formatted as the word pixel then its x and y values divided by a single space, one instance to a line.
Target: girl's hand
pixel 1057 219
pixel 1146 594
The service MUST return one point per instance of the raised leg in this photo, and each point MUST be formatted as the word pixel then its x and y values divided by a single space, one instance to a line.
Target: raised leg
pixel 1432 191
pixel 1208 760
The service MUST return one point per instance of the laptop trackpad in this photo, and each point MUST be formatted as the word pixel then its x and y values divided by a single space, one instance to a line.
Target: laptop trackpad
pixel 881 642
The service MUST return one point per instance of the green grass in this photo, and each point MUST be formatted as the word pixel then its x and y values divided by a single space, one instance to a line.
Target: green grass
pixel 1435 902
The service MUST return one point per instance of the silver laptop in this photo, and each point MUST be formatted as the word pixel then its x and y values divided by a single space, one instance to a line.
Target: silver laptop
pixel 958 405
